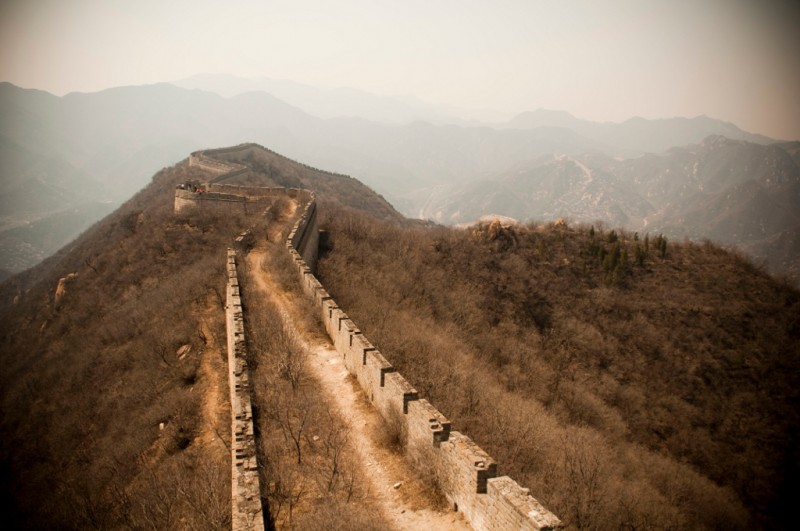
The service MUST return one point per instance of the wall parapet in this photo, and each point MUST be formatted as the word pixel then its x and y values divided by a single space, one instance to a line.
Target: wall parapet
pixel 240 151
pixel 468 475
pixel 246 509
pixel 226 198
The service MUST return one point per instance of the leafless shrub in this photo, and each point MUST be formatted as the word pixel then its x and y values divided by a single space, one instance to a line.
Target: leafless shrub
pixel 638 362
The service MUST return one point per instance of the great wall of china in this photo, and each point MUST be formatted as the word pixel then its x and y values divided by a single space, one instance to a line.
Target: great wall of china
pixel 467 474
pixel 246 510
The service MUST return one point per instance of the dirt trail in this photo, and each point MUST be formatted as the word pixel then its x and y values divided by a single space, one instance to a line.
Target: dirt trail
pixel 382 469
pixel 214 372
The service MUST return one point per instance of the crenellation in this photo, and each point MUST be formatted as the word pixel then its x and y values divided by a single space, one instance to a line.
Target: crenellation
pixel 467 474
pixel 247 513
pixel 464 468
pixel 393 394
pixel 326 312
pixel 398 393
pixel 376 361
pixel 361 345
pixel 343 338
pixel 425 425
pixel 373 372
pixel 321 295
pixel 337 316
pixel 514 505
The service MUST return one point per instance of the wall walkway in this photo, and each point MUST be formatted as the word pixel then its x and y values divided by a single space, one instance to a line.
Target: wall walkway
pixel 246 510
pixel 467 474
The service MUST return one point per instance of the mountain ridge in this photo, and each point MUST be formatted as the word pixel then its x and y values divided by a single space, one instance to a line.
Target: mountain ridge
pixel 105 145
pixel 591 341
pixel 730 191
pixel 640 134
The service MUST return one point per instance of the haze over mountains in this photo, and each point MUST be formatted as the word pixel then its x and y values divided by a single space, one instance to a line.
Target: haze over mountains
pixel 334 103
pixel 66 161
pixel 669 372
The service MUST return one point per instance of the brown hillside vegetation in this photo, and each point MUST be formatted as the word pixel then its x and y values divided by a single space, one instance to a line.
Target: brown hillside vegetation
pixel 114 404
pixel 629 382
pixel 114 394
pixel 267 168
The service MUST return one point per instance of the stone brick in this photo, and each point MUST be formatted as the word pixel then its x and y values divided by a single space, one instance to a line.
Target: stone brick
pixel 392 399
pixel 426 426
pixel 246 510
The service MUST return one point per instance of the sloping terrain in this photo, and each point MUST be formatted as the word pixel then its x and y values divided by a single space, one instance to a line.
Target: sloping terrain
pixel 350 456
pixel 731 192
pixel 629 382
pixel 113 357
pixel 59 154
pixel 108 379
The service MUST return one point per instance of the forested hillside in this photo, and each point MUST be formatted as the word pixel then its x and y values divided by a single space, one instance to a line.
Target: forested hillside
pixel 629 381
pixel 113 387
pixel 113 358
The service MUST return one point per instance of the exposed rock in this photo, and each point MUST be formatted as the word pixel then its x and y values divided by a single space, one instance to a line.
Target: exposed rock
pixel 61 289
pixel 183 351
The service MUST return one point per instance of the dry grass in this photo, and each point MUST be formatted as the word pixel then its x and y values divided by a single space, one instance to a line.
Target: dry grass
pixel 654 389
pixel 87 382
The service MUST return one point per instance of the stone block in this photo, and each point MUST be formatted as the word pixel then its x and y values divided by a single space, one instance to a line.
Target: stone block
pixel 373 373
pixel 343 337
pixel 392 398
pixel 326 313
pixel 398 392
pixel 470 467
pixel 426 426
pixel 332 323
pixel 513 507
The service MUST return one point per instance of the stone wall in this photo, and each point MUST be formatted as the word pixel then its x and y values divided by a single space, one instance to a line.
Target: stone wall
pixel 467 474
pixel 224 198
pixel 187 202
pixel 198 159
pixel 246 510
pixel 240 152
pixel 304 236
pixel 227 199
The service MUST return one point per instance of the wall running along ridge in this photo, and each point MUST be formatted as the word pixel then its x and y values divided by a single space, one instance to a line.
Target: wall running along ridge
pixel 246 511
pixel 223 198
pixel 467 474
pixel 205 158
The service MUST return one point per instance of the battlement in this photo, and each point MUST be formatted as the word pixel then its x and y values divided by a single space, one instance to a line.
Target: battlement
pixel 467 474
pixel 218 197
pixel 247 513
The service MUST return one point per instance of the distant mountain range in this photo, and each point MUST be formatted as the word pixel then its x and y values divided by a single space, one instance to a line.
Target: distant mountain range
pixel 77 153
pixel 342 102
pixel 729 191
pixel 637 134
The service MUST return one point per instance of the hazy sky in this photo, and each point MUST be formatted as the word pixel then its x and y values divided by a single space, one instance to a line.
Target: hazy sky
pixel 735 60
